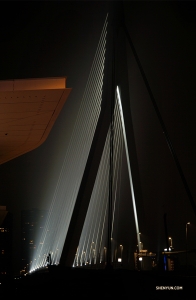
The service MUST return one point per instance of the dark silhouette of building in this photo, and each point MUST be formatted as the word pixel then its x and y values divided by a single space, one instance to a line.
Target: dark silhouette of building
pixel 6 229
pixel 32 224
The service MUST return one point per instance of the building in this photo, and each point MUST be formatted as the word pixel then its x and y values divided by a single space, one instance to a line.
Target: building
pixel 32 225
pixel 29 109
pixel 6 230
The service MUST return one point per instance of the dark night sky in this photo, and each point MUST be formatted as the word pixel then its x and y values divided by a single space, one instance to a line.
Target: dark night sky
pixel 164 38
pixel 52 39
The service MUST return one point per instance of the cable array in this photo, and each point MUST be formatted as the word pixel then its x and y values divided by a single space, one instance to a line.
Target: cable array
pixel 92 246
pixel 68 183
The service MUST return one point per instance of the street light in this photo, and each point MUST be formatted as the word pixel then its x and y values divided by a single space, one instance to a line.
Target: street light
pixel 121 251
pixel 83 258
pixel 170 243
pixel 186 242
pixel 105 249
pixel 138 239
pixel 140 246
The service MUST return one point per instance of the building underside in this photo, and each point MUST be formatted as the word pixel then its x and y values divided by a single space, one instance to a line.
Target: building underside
pixel 28 111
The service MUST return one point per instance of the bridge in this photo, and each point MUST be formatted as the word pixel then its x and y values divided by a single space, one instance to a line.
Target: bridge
pixel 84 225
pixel 94 235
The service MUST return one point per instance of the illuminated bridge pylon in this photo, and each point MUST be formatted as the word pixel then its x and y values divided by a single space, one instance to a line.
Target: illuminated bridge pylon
pixel 92 234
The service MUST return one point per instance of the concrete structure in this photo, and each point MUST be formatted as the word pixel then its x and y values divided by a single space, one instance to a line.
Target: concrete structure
pixel 28 110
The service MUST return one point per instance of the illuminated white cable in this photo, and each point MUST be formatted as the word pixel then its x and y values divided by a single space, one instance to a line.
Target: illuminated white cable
pixel 129 167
